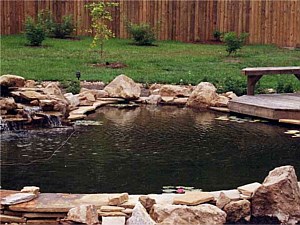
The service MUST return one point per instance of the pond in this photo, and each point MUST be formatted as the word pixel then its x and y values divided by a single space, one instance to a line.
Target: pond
pixel 141 150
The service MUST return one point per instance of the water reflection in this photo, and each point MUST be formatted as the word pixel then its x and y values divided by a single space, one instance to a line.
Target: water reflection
pixel 143 149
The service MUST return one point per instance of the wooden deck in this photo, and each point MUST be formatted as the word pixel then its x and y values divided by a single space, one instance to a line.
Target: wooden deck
pixel 268 106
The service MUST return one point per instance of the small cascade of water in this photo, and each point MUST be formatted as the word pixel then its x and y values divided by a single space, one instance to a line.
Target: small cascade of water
pixel 30 111
pixel 3 125
pixel 53 121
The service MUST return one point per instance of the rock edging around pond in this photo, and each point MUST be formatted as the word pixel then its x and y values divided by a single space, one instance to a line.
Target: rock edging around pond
pixel 28 102
pixel 276 200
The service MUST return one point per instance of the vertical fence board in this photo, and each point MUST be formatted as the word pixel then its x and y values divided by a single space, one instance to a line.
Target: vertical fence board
pixel 267 21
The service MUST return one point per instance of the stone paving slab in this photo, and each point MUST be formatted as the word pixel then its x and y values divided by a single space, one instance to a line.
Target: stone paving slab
pixel 83 110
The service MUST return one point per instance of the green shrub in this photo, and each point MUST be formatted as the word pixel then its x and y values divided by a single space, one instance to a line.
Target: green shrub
pixel 142 34
pixel 55 29
pixel 45 19
pixel 64 29
pixel 284 87
pixel 238 86
pixel 234 42
pixel 217 35
pixel 71 86
pixel 34 32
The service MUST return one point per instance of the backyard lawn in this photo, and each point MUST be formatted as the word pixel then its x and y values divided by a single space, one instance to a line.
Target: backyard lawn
pixel 168 62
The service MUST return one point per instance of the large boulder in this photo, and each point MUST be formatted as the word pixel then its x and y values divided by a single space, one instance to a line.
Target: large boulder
pixel 188 215
pixel 237 210
pixel 140 216
pixel 193 198
pixel 11 81
pixel 175 91
pixel 278 196
pixel 84 214
pixel 203 96
pixel 123 87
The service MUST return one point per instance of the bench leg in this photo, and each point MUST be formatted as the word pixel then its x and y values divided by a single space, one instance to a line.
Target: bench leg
pixel 251 81
pixel 298 76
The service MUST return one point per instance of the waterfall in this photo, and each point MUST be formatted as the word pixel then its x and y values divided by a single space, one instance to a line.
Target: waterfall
pixel 53 121
pixel 3 125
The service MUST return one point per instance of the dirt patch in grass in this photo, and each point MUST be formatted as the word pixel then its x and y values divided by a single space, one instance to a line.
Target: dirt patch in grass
pixel 111 65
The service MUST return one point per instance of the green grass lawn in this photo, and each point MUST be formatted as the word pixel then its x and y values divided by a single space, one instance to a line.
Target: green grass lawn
pixel 169 62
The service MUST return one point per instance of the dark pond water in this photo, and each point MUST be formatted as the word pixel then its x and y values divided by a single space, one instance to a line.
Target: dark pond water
pixel 141 150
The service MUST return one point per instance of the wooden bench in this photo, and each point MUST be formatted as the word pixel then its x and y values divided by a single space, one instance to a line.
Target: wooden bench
pixel 254 74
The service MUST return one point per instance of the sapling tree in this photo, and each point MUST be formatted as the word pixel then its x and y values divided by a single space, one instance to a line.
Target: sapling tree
pixel 234 42
pixel 101 16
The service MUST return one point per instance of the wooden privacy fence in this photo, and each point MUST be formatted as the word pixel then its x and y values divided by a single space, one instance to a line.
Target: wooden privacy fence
pixel 267 21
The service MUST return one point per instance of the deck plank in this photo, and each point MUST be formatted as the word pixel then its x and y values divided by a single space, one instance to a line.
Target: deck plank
pixel 269 106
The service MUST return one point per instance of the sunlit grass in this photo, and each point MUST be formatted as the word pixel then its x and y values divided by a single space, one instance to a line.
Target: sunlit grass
pixel 168 62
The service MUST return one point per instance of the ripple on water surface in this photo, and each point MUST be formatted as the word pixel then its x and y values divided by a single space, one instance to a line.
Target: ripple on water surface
pixel 141 150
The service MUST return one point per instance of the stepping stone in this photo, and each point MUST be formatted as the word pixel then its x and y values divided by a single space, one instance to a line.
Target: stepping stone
pixel 42 222
pixel 44 215
pixel 111 209
pixel 114 100
pixel 113 220
pixel 83 110
pixel 17 198
pixel 32 95
pixel 112 214
pixel 248 189
pixel 167 99
pixel 11 219
pixel 193 198
pixel 232 194
pixel 76 117
pixel 98 104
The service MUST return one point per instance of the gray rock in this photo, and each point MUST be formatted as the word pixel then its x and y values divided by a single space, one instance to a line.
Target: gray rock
pixel 17 198
pixel 140 216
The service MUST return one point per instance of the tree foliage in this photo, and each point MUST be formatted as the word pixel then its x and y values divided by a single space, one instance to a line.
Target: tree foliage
pixel 101 16
pixel 234 42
